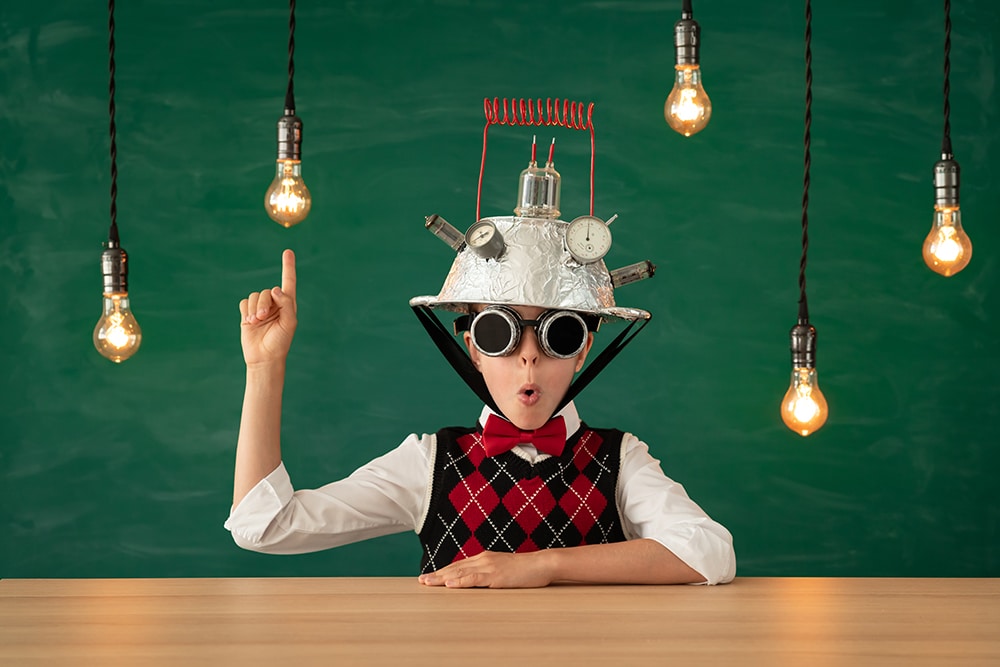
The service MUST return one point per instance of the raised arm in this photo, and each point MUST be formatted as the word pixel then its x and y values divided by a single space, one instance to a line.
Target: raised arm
pixel 266 331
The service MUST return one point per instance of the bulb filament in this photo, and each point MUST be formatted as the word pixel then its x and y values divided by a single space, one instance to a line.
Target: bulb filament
pixel 688 108
pixel 804 408
pixel 288 200
pixel 947 248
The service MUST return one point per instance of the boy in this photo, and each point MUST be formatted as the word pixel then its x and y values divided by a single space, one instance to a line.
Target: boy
pixel 528 497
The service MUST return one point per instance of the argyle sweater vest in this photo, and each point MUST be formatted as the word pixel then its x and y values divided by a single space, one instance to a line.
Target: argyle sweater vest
pixel 504 503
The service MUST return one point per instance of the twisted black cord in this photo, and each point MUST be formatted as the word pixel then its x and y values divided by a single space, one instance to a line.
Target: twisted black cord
pixel 290 95
pixel 113 232
pixel 946 141
pixel 803 304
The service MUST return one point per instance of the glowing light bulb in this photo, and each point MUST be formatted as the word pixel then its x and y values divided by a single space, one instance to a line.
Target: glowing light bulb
pixel 947 248
pixel 287 200
pixel 804 408
pixel 687 108
pixel 117 334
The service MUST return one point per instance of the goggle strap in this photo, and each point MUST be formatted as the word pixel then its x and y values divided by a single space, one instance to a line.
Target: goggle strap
pixel 456 356
pixel 462 323
pixel 602 360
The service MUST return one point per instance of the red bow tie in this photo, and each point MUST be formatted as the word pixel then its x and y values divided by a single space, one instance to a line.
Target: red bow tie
pixel 499 436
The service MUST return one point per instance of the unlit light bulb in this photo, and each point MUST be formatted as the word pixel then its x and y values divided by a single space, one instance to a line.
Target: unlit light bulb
pixel 287 200
pixel 804 408
pixel 117 335
pixel 688 108
pixel 538 187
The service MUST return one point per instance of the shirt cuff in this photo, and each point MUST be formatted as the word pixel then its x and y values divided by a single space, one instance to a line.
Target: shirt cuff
pixel 250 518
pixel 705 553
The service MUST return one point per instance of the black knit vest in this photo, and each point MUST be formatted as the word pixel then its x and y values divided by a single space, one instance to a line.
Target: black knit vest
pixel 504 503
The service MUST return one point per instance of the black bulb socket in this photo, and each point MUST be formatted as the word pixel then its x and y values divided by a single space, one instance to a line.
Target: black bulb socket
pixel 946 176
pixel 803 336
pixel 289 136
pixel 687 40
pixel 114 266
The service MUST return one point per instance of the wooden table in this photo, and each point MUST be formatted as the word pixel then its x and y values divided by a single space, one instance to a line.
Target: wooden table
pixel 395 621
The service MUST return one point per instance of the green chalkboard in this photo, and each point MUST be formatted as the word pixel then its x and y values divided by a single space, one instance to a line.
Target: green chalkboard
pixel 126 470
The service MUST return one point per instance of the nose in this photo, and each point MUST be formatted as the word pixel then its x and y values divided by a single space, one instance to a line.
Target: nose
pixel 528 349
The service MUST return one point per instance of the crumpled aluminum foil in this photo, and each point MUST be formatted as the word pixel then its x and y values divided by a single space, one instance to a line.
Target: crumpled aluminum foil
pixel 535 269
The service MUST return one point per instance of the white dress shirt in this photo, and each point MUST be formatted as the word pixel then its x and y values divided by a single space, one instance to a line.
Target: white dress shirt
pixel 391 495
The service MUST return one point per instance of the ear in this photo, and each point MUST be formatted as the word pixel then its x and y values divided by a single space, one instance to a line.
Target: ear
pixel 582 357
pixel 473 350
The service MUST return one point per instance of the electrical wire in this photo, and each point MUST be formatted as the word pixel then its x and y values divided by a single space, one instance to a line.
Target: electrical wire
pixel 946 140
pixel 573 115
pixel 113 231
pixel 807 140
pixel 290 94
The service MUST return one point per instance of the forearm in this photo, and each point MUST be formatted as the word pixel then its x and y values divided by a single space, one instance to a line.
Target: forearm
pixel 258 449
pixel 642 561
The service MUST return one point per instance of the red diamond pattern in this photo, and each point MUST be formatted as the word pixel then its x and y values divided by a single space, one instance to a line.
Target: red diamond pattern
pixel 474 499
pixel 529 502
pixel 583 504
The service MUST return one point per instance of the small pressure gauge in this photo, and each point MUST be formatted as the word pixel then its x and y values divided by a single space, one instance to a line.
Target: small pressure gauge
pixel 588 239
pixel 484 239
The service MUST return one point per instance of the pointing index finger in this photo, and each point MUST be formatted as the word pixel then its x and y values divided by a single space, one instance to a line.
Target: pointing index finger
pixel 288 273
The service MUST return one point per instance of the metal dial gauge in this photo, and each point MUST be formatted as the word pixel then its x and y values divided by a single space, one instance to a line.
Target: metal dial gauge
pixel 484 239
pixel 588 239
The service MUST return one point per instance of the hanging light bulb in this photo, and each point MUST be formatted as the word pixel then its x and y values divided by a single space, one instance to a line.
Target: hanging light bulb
pixel 687 109
pixel 117 335
pixel 804 408
pixel 287 200
pixel 947 248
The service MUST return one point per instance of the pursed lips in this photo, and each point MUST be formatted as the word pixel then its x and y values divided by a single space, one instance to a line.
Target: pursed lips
pixel 529 394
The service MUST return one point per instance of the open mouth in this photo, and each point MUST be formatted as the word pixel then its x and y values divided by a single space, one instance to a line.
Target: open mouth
pixel 529 394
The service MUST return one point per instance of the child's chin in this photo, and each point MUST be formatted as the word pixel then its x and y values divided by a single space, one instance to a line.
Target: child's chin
pixel 528 420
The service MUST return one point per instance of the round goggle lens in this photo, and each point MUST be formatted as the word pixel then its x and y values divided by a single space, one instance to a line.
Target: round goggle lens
pixel 564 334
pixel 494 333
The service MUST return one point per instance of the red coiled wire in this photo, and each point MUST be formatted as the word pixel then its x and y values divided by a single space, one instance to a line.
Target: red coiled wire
pixel 548 112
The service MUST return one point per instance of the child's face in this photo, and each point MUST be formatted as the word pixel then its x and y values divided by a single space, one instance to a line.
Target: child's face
pixel 527 385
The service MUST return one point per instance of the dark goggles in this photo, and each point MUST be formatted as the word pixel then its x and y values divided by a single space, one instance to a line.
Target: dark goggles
pixel 496 331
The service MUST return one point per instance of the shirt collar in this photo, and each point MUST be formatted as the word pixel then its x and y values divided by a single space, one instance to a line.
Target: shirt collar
pixel 568 413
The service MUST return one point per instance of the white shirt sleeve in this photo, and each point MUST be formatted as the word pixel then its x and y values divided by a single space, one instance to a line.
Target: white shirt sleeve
pixel 387 495
pixel 656 507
